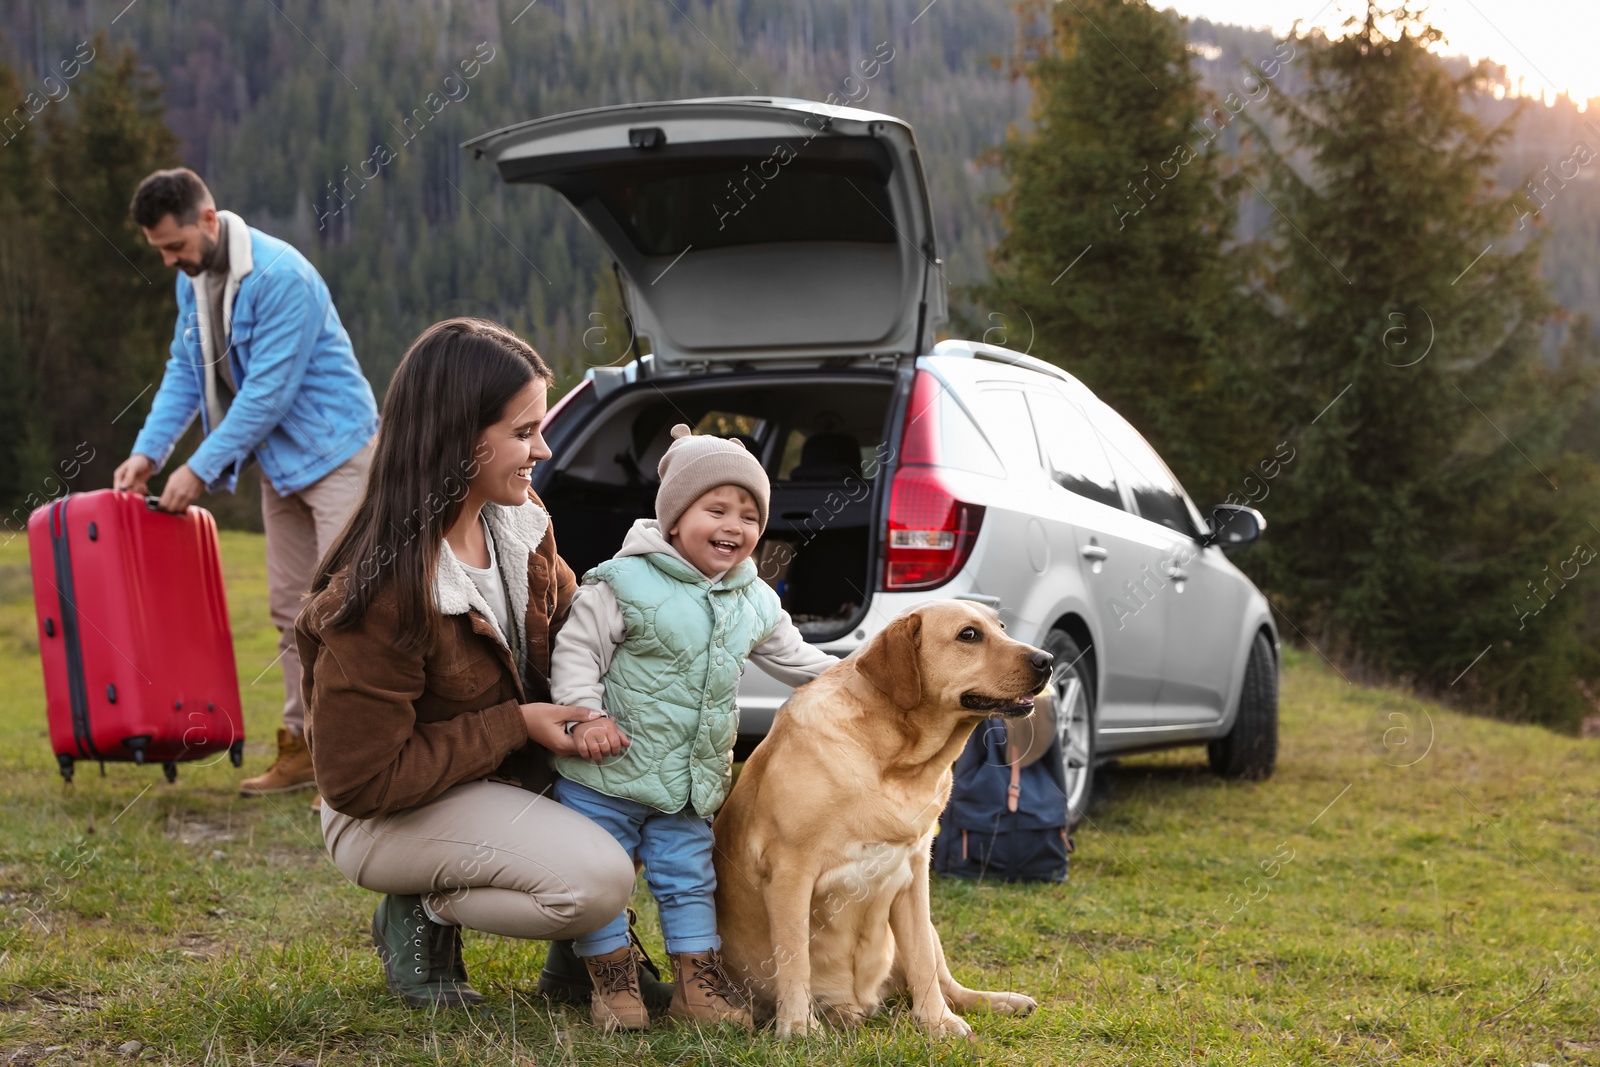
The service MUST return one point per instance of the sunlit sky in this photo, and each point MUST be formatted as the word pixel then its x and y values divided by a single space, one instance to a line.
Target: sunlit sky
pixel 1553 45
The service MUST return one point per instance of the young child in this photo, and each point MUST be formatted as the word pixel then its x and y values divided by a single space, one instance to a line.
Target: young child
pixel 657 638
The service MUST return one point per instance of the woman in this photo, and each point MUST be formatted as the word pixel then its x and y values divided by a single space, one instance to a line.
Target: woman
pixel 426 652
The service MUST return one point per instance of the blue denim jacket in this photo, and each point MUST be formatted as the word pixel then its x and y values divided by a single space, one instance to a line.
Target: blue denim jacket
pixel 303 406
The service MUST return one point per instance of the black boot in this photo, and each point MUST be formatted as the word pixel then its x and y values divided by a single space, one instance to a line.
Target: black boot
pixel 565 979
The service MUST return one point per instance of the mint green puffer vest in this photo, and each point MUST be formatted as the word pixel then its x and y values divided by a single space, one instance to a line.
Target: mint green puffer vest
pixel 673 680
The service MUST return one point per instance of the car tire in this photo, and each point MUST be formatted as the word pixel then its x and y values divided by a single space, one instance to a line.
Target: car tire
pixel 1075 723
pixel 1250 749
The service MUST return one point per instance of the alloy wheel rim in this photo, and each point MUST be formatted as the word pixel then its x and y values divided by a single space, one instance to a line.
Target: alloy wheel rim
pixel 1072 731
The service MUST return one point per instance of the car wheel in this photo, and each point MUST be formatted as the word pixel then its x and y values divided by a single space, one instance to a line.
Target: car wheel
pixel 1250 749
pixel 1074 712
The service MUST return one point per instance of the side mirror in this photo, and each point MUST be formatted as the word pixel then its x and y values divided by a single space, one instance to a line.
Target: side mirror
pixel 1233 525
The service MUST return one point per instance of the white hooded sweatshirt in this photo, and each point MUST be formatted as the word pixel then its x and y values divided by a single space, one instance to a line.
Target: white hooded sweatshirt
pixel 595 627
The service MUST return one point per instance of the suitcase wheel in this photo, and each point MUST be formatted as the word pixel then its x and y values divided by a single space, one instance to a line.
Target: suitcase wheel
pixel 236 753
pixel 170 768
pixel 64 762
pixel 137 745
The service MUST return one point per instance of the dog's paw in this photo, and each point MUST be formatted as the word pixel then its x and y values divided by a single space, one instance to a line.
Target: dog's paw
pixel 972 1000
pixel 1012 1003
pixel 843 1016
pixel 947 1025
pixel 798 1026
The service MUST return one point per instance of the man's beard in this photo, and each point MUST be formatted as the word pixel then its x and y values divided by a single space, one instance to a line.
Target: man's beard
pixel 208 252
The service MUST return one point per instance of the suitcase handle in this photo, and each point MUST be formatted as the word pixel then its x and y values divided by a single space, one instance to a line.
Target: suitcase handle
pixel 152 503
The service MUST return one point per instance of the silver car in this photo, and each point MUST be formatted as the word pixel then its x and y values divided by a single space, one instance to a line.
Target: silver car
pixel 777 261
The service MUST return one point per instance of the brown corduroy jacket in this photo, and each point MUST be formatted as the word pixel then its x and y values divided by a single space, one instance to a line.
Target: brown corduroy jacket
pixel 390 730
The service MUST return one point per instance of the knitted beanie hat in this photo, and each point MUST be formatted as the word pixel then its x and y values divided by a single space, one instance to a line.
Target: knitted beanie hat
pixel 696 464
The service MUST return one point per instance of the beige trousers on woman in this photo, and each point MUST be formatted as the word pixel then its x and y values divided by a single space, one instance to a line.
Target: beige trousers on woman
pixel 300 529
pixel 490 857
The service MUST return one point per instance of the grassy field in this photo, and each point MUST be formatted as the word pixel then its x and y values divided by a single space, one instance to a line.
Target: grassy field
pixel 1413 886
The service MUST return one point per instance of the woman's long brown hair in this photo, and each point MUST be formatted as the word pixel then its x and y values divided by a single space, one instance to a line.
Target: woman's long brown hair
pixel 454 381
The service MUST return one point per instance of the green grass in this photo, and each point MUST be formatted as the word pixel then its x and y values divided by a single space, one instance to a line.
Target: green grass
pixel 1358 908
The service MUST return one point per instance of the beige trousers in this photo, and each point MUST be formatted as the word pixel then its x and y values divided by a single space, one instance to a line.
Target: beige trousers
pixel 300 528
pixel 490 857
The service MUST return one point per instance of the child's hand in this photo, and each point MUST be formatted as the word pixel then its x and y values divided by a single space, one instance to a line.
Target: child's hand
pixel 599 739
pixel 547 725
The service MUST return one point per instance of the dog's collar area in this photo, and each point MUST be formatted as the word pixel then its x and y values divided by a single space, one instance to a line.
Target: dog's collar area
pixel 997 705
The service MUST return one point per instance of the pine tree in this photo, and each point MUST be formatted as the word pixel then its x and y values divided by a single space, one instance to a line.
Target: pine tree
pixel 1577 383
pixel 1113 262
pixel 107 136
pixel 26 326
pixel 87 311
pixel 1430 499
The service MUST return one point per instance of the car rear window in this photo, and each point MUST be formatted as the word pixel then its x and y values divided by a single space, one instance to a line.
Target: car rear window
pixel 727 202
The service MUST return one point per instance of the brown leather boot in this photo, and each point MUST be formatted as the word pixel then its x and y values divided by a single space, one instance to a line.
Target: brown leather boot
pixel 290 771
pixel 616 1003
pixel 702 992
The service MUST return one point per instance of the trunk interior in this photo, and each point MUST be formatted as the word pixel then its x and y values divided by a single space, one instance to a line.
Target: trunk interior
pixel 821 439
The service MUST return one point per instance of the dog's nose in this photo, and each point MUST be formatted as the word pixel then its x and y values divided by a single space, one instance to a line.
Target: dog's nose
pixel 1041 660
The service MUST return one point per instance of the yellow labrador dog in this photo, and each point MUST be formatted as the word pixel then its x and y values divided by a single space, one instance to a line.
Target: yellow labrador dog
pixel 822 848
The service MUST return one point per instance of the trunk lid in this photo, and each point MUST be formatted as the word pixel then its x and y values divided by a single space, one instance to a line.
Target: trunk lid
pixel 748 230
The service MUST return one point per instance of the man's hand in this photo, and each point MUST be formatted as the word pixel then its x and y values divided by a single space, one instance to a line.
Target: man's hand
pixel 599 739
pixel 133 474
pixel 183 488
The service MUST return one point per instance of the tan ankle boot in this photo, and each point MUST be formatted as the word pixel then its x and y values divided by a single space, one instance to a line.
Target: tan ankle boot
pixel 616 1003
pixel 290 771
pixel 702 992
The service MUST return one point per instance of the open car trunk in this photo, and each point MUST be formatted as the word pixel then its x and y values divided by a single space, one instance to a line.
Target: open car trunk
pixel 748 231
pixel 820 437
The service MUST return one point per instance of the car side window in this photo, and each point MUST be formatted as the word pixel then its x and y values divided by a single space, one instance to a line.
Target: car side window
pixel 1009 427
pixel 1072 447
pixel 1156 493
pixel 961 444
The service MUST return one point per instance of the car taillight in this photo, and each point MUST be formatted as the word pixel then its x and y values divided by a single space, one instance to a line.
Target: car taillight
pixel 930 533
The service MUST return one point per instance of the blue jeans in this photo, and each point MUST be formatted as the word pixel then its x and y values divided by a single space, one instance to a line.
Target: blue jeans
pixel 676 852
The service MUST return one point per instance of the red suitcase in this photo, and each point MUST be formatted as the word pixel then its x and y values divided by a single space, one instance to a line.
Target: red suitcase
pixel 133 632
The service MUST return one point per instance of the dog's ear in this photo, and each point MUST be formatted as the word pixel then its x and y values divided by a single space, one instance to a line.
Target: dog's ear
pixel 892 661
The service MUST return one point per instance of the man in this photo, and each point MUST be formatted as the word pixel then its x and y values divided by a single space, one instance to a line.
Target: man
pixel 259 352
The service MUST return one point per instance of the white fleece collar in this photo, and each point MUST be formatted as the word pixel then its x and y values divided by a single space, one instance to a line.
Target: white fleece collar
pixel 240 263
pixel 517 531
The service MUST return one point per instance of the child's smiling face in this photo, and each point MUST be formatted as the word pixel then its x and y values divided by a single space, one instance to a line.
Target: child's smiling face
pixel 718 531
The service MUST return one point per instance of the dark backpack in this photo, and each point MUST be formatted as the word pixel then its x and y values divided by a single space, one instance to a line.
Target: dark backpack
pixel 1004 821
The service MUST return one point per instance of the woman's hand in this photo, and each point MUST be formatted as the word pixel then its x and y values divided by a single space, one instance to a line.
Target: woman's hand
pixel 600 738
pixel 546 725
